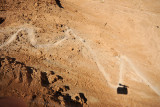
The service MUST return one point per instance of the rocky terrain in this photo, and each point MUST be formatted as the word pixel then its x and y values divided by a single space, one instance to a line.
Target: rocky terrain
pixel 77 53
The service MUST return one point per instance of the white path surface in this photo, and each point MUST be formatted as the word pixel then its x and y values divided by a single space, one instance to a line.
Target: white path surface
pixel 138 73
pixel 31 38
pixel 33 41
pixel 122 59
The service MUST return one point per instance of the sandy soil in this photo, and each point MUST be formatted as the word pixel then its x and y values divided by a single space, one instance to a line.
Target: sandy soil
pixel 76 52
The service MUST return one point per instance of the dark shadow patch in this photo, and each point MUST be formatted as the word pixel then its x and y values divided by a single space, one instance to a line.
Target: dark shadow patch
pixel 21 63
pixel 55 97
pixel 1 60
pixel 33 97
pixel 20 77
pixel 71 103
pixel 83 97
pixel 122 89
pixel 52 72
pixel 75 104
pixel 77 98
pixel 44 79
pixel 59 77
pixel 66 88
pixel 67 98
pixel 59 3
pixel 11 60
pixel 2 20
pixel 29 74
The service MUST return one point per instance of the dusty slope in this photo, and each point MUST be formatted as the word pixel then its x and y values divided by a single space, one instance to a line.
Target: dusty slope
pixel 93 45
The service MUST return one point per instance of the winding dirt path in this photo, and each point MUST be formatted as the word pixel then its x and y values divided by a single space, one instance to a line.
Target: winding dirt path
pixel 12 38
pixel 138 73
pixel 94 56
pixel 122 59
pixel 33 41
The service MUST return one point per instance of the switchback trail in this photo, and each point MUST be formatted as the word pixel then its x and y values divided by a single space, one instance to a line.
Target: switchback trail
pixel 32 39
pixel 33 42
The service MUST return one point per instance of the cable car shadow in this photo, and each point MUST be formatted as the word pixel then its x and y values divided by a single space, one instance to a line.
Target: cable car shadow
pixel 122 89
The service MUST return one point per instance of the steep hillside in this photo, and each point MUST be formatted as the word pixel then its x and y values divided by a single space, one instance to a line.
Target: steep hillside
pixel 78 52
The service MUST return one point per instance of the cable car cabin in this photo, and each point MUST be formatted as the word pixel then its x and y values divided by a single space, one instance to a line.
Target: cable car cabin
pixel 122 90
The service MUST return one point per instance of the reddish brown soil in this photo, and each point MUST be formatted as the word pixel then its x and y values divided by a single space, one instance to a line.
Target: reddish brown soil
pixel 76 52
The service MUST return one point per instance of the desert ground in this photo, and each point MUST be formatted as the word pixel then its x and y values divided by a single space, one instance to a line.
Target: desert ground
pixel 75 53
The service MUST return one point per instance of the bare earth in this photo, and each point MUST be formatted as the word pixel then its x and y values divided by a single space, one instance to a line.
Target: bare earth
pixel 76 52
